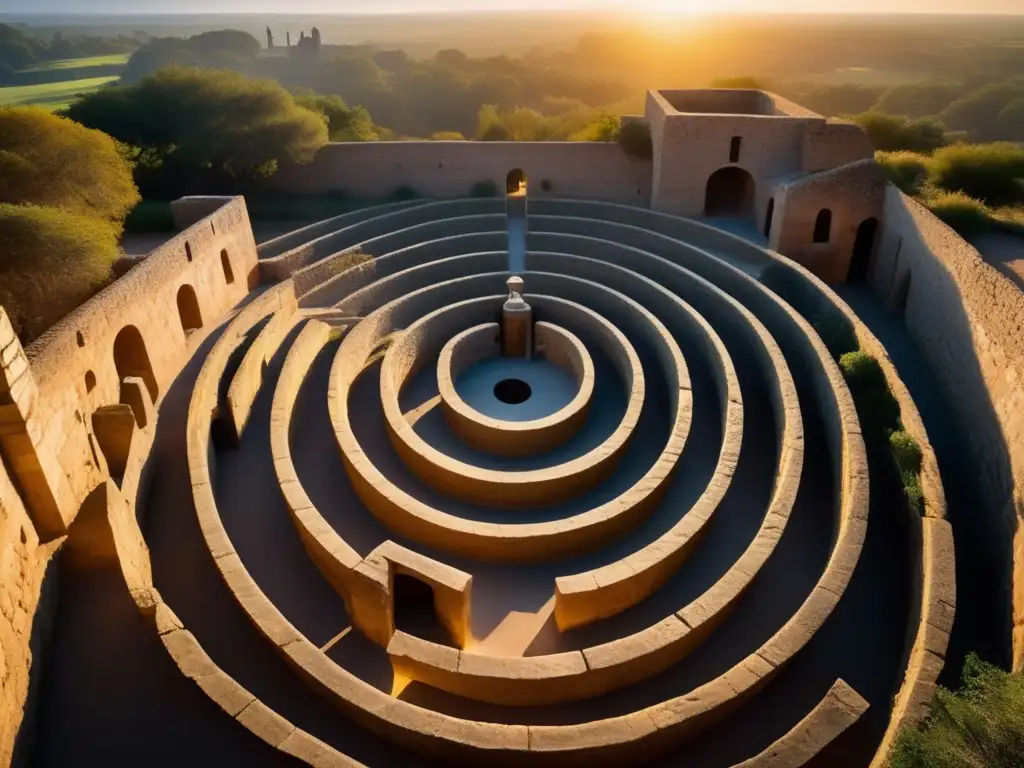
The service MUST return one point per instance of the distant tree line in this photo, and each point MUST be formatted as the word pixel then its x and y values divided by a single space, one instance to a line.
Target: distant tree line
pixel 410 98
pixel 19 51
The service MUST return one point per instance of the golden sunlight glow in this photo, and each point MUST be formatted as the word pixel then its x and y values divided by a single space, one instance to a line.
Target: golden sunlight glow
pixel 675 7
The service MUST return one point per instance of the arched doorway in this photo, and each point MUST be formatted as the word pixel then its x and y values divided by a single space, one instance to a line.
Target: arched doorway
pixel 188 309
pixel 863 247
pixel 131 359
pixel 730 192
pixel 515 182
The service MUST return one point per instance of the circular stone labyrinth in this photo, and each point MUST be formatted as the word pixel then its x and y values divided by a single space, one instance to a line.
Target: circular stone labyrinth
pixel 647 543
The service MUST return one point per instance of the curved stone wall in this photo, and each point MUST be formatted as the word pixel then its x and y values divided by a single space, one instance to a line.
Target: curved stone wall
pixel 675 548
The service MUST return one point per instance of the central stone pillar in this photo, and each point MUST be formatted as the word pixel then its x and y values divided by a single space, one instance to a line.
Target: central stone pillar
pixel 516 322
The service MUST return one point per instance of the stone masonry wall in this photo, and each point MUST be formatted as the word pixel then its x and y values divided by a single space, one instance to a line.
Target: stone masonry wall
pixel 51 460
pixel 592 170
pixel 852 193
pixel 968 320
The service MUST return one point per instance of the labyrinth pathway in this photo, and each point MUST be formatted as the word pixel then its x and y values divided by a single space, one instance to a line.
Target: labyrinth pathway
pixel 613 507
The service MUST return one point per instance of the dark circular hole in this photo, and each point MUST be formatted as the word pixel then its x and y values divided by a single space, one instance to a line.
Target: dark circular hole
pixel 512 391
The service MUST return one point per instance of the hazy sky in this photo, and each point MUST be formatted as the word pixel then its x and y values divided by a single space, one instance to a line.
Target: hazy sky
pixel 626 6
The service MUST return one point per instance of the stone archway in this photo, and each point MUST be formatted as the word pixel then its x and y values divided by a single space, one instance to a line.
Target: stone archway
pixel 863 247
pixel 132 359
pixel 188 309
pixel 515 182
pixel 730 192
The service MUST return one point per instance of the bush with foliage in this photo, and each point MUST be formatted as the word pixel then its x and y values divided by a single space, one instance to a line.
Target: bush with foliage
pixel 50 262
pixel 48 160
pixel 991 173
pixel 878 410
pixel 635 140
pixel 979 726
pixel 891 133
pixel 961 212
pixel 907 170
pixel 906 450
pixel 175 119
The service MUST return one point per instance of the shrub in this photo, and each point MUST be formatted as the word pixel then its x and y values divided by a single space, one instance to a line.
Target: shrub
pixel 907 170
pixel 48 160
pixel 892 133
pixel 991 173
pixel 50 262
pixel 912 491
pixel 878 410
pixel 635 140
pixel 980 726
pixel 964 214
pixel 447 136
pixel 906 450
pixel 484 189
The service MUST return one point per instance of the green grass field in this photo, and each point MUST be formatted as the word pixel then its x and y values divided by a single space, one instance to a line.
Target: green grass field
pixel 92 61
pixel 52 96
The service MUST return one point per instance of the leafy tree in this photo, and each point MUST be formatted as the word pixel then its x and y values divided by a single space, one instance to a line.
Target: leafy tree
pixel 52 161
pixel 50 262
pixel 605 128
pixel 227 48
pixel 202 129
pixel 891 133
pixel 344 123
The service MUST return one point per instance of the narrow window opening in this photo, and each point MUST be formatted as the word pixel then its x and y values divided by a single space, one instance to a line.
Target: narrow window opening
pixel 734 149
pixel 823 226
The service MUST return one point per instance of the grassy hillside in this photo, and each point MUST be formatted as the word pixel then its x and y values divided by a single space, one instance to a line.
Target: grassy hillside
pixel 52 96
